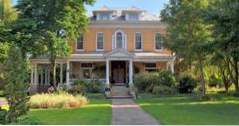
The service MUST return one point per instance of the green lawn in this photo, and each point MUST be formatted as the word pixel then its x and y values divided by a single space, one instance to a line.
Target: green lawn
pixel 188 110
pixel 98 112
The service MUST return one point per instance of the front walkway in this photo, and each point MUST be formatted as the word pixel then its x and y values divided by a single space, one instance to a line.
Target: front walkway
pixel 126 112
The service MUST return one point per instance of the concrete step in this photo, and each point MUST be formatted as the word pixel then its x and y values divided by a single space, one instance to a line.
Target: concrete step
pixel 120 92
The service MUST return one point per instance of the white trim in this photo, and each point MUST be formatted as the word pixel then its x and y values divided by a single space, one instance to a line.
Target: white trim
pixel 141 42
pixel 158 50
pixel 124 39
pixel 97 41
pixel 83 44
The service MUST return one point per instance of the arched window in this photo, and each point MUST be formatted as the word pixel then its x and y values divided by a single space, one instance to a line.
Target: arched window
pixel 119 40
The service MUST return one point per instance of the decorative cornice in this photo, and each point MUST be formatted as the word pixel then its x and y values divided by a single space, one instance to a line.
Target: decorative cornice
pixel 127 24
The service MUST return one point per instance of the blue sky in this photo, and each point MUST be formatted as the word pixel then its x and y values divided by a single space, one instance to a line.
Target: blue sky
pixel 152 6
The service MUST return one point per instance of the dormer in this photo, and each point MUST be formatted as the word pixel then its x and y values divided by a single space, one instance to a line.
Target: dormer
pixel 104 13
pixel 132 14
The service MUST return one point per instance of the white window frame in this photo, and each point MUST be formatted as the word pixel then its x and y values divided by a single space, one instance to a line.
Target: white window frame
pixel 77 43
pixel 97 41
pixel 124 39
pixel 135 41
pixel 155 42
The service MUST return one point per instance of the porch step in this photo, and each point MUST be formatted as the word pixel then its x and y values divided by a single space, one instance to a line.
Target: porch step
pixel 120 97
pixel 120 92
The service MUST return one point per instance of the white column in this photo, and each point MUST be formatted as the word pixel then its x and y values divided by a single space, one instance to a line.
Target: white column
pixel 32 75
pixel 45 71
pixel 107 73
pixel 36 75
pixel 61 74
pixel 172 66
pixel 131 72
pixel 68 73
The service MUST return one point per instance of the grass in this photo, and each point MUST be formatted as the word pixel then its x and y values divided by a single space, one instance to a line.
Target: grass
pixel 97 112
pixel 186 110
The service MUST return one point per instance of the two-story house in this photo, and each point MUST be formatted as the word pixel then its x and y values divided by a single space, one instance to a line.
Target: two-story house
pixel 118 44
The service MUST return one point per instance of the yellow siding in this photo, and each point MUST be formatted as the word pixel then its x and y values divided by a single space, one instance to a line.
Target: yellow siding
pixel 147 39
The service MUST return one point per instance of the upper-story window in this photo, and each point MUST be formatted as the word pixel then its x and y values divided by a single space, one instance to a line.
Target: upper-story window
pixel 138 41
pixel 80 42
pixel 158 41
pixel 119 40
pixel 100 41
pixel 103 16
pixel 133 17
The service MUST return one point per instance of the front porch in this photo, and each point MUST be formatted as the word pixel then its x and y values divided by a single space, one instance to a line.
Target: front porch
pixel 117 67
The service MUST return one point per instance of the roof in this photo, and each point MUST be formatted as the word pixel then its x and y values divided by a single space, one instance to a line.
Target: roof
pixel 119 13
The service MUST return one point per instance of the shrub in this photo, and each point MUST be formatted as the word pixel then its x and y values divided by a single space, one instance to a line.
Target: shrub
pixel 163 90
pixel 84 86
pixel 151 82
pixel 186 84
pixel 94 86
pixel 166 78
pixel 57 100
pixel 79 87
pixel 214 81
pixel 3 113
pixel 143 81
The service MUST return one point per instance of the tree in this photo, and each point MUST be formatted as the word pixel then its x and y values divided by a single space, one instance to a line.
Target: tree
pixel 7 12
pixel 56 22
pixel 7 16
pixel 188 34
pixel 16 85
pixel 223 14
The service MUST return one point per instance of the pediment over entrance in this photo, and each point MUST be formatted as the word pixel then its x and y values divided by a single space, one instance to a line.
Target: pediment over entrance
pixel 119 53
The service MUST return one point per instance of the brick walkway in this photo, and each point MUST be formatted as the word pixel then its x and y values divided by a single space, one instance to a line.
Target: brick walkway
pixel 126 112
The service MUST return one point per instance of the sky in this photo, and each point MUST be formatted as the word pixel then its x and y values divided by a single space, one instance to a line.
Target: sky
pixel 152 6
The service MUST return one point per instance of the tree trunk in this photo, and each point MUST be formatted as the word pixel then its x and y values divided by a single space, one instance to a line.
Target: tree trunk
pixel 53 72
pixel 236 75
pixel 202 80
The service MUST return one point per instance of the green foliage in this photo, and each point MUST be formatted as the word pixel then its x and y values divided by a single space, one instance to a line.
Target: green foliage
pixel 16 87
pixel 57 100
pixel 53 24
pixel 214 82
pixel 78 87
pixel 189 35
pixel 86 86
pixel 4 48
pixel 160 82
pixel 7 12
pixel 3 114
pixel 94 86
pixel 25 120
pixel 223 14
pixel 186 84
pixel 143 80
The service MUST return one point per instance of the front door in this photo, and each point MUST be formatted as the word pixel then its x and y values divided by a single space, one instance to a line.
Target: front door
pixel 118 72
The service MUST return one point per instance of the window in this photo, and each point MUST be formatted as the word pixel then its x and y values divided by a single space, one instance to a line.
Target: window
pixel 158 41
pixel 100 41
pixel 80 42
pixel 119 40
pixel 138 41
pixel 86 70
pixel 150 67
pixel 133 17
pixel 103 17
